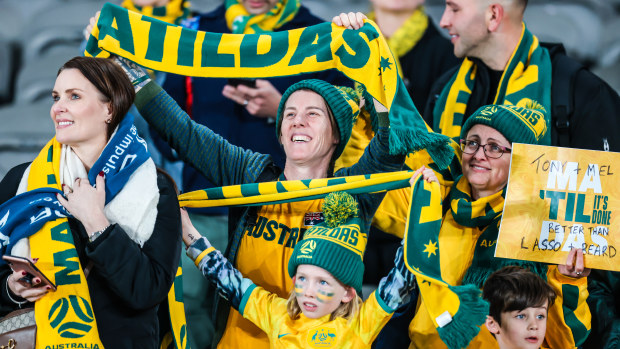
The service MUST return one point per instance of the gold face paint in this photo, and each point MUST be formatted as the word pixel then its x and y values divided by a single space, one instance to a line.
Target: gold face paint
pixel 324 296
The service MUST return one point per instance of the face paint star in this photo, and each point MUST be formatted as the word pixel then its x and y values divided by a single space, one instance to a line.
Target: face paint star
pixel 385 63
pixel 431 248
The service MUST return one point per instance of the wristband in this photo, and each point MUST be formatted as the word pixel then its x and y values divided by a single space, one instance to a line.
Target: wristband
pixel 96 234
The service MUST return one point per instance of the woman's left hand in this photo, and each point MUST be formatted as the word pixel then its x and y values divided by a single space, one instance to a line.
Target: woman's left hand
pixel 574 266
pixel 86 203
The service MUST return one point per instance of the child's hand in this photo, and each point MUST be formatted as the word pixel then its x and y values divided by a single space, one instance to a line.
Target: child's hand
pixel 190 234
pixel 574 266
pixel 350 20
pixel 427 175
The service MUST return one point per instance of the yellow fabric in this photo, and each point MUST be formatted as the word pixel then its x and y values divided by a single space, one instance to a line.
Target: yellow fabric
pixel 278 229
pixel 239 21
pixel 268 312
pixel 67 312
pixel 279 191
pixel 558 334
pixel 457 244
pixel 408 35
pixel 171 13
pixel 176 309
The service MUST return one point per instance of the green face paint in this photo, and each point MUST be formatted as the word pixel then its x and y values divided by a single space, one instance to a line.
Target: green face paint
pixel 324 296
pixel 299 290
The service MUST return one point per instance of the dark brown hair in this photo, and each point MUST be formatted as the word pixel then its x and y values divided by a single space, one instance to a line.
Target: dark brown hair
pixel 110 80
pixel 514 288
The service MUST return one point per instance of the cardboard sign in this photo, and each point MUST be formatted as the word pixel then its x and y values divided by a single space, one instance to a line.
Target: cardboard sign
pixel 559 198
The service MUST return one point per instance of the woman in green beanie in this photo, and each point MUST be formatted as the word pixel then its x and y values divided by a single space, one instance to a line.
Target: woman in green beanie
pixel 324 308
pixel 470 226
pixel 314 123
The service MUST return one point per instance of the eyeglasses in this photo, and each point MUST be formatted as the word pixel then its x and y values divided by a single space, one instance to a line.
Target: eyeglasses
pixel 494 151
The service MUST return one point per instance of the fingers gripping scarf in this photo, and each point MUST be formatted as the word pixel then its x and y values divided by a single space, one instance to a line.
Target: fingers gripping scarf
pixel 527 77
pixel 65 317
pixel 239 21
pixel 174 12
pixel 362 55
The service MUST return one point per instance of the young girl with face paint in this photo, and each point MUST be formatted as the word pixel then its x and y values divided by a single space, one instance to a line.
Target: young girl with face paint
pixel 325 308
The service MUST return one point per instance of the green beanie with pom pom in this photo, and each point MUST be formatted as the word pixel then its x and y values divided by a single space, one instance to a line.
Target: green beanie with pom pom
pixel 336 245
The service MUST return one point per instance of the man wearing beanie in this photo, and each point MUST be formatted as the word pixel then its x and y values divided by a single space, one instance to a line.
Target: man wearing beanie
pixel 313 124
pixel 324 310
pixel 470 227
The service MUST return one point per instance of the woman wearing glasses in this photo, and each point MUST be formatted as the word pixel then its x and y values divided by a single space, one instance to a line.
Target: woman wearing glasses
pixel 472 213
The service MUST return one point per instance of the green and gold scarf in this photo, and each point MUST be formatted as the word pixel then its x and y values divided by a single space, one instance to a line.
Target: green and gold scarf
pixel 486 215
pixel 456 311
pixel 527 77
pixel 362 55
pixel 271 193
pixel 66 315
pixel 407 35
pixel 239 21
pixel 174 12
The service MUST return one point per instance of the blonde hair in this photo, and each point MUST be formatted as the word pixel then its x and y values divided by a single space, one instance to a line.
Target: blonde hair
pixel 346 310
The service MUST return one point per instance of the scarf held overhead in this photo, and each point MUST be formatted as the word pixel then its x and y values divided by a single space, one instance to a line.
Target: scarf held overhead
pixel 526 78
pixel 362 55
pixel 173 12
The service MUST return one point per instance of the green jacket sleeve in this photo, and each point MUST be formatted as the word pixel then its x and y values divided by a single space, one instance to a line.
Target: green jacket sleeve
pixel 219 161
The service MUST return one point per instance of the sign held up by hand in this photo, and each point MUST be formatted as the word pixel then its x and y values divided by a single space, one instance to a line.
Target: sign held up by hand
pixel 558 199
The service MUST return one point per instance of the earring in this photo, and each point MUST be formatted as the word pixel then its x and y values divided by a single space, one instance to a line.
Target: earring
pixel 108 121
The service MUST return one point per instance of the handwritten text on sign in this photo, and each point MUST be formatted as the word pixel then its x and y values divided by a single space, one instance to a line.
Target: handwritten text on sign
pixel 560 198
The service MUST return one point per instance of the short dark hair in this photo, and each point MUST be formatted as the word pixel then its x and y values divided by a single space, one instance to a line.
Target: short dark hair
pixel 515 288
pixel 110 80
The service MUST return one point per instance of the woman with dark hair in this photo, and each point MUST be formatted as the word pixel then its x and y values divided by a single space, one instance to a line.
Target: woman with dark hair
pixel 104 206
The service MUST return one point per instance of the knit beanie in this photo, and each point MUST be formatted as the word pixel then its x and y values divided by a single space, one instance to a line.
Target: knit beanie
pixel 517 124
pixel 337 244
pixel 340 101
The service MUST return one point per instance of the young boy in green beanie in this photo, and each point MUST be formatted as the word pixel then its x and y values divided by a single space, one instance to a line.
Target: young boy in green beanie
pixel 519 302
pixel 325 308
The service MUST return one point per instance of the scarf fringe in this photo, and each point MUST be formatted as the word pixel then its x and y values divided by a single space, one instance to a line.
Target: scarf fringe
pixel 466 322
pixel 404 141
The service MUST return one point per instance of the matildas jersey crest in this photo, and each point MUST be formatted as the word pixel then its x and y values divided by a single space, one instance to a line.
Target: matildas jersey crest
pixel 322 337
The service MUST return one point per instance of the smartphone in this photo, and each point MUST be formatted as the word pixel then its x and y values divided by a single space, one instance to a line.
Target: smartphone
pixel 241 81
pixel 21 263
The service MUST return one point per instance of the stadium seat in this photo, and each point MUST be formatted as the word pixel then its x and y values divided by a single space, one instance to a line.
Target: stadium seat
pixel 36 78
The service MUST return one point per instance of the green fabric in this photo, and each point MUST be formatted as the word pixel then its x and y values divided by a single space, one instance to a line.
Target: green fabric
pixel 517 124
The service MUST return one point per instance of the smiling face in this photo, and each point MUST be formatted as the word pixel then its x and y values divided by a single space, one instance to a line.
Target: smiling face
pixel 306 132
pixel 466 23
pixel 486 176
pixel 258 7
pixel 79 111
pixel 318 293
pixel 522 329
